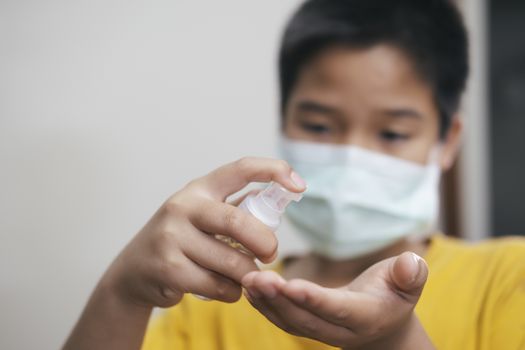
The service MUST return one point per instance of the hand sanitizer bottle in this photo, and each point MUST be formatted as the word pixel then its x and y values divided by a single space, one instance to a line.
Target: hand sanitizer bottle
pixel 268 206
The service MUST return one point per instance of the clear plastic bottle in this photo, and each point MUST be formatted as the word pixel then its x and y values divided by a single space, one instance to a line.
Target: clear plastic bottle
pixel 268 206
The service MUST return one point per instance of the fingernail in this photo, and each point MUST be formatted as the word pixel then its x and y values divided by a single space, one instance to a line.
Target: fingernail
pixel 417 266
pixel 273 257
pixel 297 180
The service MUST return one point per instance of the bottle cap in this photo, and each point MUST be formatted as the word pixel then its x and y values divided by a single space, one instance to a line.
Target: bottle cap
pixel 269 204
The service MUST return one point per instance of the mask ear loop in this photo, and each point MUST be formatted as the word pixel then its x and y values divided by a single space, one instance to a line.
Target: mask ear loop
pixel 434 155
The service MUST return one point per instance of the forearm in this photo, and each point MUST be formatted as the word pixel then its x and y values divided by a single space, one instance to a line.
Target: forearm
pixel 415 338
pixel 109 322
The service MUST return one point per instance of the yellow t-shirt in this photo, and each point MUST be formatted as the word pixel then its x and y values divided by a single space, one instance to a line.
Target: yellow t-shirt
pixel 474 299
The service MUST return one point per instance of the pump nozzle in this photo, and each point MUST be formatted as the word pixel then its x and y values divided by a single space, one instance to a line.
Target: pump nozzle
pixel 277 197
pixel 269 204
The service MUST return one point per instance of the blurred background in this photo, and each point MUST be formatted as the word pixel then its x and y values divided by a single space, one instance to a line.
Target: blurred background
pixel 109 106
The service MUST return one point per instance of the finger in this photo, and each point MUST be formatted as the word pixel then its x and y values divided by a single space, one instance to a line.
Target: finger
pixel 408 273
pixel 253 295
pixel 338 306
pixel 268 283
pixel 233 177
pixel 220 218
pixel 192 278
pixel 290 317
pixel 405 275
pixel 214 255
pixel 257 303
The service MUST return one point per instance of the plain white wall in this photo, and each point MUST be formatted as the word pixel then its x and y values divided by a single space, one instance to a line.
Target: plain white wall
pixel 106 108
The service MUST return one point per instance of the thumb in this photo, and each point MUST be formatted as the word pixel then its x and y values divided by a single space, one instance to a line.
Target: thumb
pixel 408 273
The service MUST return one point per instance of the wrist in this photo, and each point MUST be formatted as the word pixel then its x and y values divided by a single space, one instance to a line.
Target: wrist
pixel 410 336
pixel 109 321
pixel 120 292
pixel 119 299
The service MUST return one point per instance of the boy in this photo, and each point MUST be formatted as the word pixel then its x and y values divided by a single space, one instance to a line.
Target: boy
pixel 370 92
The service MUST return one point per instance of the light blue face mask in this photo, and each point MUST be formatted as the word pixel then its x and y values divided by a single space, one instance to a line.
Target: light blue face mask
pixel 359 201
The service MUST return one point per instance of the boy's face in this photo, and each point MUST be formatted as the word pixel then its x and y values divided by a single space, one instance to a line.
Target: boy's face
pixel 371 98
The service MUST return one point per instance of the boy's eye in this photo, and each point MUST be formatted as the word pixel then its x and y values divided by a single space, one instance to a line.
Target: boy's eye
pixel 316 128
pixel 392 136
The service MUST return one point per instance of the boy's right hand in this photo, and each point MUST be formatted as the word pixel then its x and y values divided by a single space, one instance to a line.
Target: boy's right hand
pixel 176 252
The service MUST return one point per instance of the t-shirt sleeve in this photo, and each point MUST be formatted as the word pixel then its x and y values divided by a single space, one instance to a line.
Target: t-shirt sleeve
pixel 505 316
pixel 166 331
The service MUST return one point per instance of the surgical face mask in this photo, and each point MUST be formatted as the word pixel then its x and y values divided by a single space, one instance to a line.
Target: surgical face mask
pixel 359 201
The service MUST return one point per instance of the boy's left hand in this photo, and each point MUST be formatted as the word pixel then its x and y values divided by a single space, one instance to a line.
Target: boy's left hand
pixel 374 311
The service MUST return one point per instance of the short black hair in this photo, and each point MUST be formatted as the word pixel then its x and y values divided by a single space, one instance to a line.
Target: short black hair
pixel 430 32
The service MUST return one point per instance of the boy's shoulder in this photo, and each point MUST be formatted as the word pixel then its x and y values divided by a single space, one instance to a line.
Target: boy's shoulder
pixel 505 247
pixel 498 259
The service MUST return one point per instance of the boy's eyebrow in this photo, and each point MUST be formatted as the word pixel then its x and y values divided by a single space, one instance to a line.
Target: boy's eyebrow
pixel 403 113
pixel 313 106
pixel 317 107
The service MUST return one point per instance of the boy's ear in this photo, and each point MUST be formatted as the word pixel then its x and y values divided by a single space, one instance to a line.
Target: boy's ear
pixel 451 143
